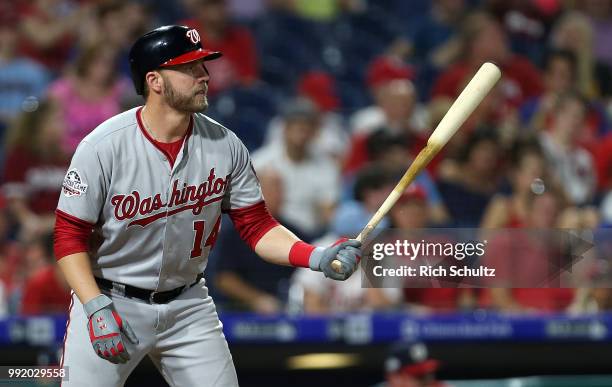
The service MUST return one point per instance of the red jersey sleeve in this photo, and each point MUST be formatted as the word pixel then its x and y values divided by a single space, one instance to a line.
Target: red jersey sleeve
pixel 252 222
pixel 71 235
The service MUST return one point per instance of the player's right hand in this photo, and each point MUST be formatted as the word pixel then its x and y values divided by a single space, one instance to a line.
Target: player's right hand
pixel 347 251
pixel 105 327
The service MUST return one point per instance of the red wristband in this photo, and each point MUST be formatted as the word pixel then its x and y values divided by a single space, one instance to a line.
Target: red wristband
pixel 299 255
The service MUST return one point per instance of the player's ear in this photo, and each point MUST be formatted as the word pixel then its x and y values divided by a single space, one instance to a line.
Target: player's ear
pixel 154 81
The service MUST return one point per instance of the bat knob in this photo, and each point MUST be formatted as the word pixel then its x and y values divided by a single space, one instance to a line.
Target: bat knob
pixel 337 266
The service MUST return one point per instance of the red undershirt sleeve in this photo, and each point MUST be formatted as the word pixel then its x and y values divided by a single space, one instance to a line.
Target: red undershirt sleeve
pixel 252 222
pixel 71 235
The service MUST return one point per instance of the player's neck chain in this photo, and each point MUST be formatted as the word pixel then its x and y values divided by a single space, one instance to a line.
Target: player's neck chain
pixel 148 128
pixel 144 122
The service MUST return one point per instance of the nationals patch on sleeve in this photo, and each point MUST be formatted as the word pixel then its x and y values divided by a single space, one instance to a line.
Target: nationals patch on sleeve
pixel 73 184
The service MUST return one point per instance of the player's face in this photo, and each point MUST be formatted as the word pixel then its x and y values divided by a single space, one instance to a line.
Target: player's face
pixel 185 86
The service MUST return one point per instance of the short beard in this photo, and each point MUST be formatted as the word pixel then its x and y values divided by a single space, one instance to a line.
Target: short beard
pixel 188 103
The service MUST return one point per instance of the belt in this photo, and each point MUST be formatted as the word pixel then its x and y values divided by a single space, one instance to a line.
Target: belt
pixel 150 296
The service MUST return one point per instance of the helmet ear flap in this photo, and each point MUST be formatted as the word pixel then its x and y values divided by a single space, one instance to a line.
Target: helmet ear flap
pixel 137 78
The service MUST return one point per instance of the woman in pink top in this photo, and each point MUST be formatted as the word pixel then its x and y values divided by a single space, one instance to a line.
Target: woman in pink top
pixel 89 94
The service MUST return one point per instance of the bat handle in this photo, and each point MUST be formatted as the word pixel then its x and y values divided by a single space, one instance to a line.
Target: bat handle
pixel 337 265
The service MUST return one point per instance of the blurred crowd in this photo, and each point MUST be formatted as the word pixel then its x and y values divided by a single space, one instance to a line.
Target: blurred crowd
pixel 333 98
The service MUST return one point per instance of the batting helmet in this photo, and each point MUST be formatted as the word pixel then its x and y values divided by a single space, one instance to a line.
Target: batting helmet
pixel 165 46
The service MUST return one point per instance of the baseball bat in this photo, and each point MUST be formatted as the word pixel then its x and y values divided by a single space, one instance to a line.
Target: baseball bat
pixel 475 91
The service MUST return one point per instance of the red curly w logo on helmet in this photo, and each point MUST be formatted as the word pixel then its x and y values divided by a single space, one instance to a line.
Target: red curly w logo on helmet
pixel 193 35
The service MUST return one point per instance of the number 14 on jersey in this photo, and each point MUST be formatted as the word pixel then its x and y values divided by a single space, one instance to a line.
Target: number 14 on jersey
pixel 199 227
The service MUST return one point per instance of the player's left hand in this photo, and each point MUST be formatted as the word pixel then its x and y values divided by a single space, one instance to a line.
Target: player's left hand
pixel 347 251
pixel 105 328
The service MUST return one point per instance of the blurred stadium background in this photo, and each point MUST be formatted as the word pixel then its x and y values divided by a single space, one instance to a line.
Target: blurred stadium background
pixel 333 98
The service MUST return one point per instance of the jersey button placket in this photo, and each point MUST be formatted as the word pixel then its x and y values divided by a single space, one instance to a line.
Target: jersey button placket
pixel 161 277
pixel 168 167
pixel 167 251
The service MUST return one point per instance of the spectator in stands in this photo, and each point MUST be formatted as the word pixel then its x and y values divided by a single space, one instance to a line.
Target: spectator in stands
pixel 46 291
pixel 34 169
pixel 560 77
pixel 395 99
pixel 90 94
pixel 239 65
pixel 525 23
pixel 108 24
pixel 433 38
pixel 246 281
pixel 317 295
pixel 9 256
pixel 372 185
pixel 475 178
pixel 411 210
pixel 394 113
pixel 310 181
pixel 573 32
pixel 600 18
pixel 410 215
pixel 139 15
pixel 332 138
pixel 393 153
pixel 528 170
pixel 388 150
pixel 31 260
pixel 522 260
pixel 20 77
pixel 571 164
pixel 483 40
pixel 49 29
pixel 117 24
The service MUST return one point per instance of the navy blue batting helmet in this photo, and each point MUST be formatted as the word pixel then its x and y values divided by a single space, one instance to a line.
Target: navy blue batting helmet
pixel 165 46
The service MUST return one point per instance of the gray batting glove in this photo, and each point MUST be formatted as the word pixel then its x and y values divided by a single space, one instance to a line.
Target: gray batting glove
pixel 347 251
pixel 105 327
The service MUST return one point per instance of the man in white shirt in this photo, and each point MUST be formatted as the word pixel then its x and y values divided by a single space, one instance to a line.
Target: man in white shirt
pixel 310 181
pixel 571 164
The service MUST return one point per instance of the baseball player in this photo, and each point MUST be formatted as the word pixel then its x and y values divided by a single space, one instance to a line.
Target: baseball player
pixel 150 185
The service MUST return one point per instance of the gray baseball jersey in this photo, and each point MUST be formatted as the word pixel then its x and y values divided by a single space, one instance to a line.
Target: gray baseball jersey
pixel 157 222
